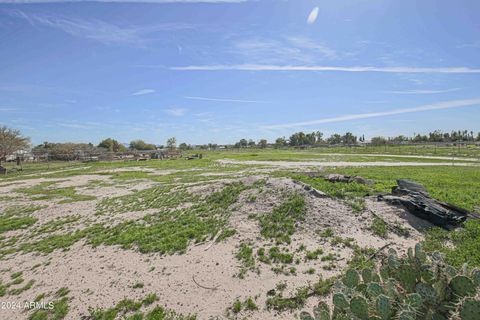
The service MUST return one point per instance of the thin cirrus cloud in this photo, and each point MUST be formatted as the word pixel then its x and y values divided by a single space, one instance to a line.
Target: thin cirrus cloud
pixel 422 91
pixel 429 107
pixel 143 92
pixel 296 49
pixel 257 67
pixel 121 1
pixel 7 109
pixel 176 112
pixel 98 30
pixel 224 100
pixel 15 110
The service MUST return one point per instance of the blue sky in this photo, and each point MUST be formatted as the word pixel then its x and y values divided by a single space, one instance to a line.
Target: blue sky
pixel 221 70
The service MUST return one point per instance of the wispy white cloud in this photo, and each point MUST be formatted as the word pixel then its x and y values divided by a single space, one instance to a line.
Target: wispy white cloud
pixel 225 100
pixel 316 48
pixel 143 92
pixel 429 107
pixel 259 67
pixel 98 30
pixel 422 91
pixel 265 51
pixel 312 17
pixel 122 1
pixel 15 110
pixel 475 44
pixel 7 109
pixel 285 49
pixel 73 125
pixel 176 112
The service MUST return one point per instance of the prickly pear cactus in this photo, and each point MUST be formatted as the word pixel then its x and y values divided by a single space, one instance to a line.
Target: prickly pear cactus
pixel 476 277
pixel 374 289
pixel 462 286
pixel 427 293
pixel 414 300
pixel 306 316
pixel 407 277
pixel 470 309
pixel 393 262
pixel 359 307
pixel 340 301
pixel 427 274
pixel 367 275
pixel 451 271
pixel 384 307
pixel 419 253
pixel 351 278
pixel 413 287
pixel 406 315
pixel 322 311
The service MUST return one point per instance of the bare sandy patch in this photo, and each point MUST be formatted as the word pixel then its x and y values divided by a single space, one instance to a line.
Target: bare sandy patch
pixel 102 276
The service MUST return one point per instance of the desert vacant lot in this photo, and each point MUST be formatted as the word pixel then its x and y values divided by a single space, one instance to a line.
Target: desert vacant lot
pixel 231 236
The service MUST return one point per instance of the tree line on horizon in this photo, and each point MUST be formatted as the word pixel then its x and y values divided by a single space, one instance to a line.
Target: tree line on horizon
pixel 12 140
pixel 316 138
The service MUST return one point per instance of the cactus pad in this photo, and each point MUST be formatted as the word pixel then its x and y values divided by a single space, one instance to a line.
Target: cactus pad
pixel 419 253
pixel 414 300
pixel 462 286
pixel 359 307
pixel 322 311
pixel 384 272
pixel 351 278
pixel 384 307
pixel 393 262
pixel 476 277
pixel 374 289
pixel 406 315
pixel 340 301
pixel 407 277
pixel 470 309
pixel 451 271
pixel 427 293
pixel 367 275
pixel 410 254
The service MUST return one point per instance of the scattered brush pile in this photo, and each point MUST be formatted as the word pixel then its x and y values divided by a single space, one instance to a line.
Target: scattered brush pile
pixel 413 287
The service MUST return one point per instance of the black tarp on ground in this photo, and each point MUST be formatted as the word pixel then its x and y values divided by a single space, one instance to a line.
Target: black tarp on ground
pixel 417 201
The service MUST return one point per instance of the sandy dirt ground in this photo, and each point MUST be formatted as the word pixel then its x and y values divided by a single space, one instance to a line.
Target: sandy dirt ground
pixel 102 276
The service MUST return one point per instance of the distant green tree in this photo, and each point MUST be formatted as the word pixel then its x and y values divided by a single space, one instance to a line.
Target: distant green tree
pixel 172 143
pixel 435 136
pixel 378 141
pixel 64 151
pixel 349 139
pixel 335 139
pixel 112 145
pixel 281 142
pixel 243 143
pixel 183 146
pixel 141 145
pixel 297 139
pixel 319 137
pixel 11 141
pixel 262 143
pixel 251 143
